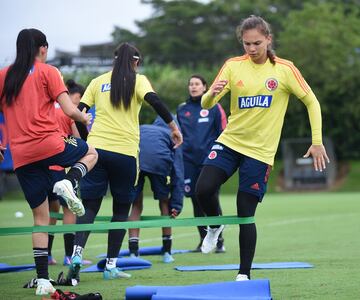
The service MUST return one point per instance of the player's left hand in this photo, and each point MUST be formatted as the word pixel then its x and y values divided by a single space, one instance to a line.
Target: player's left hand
pixel 87 117
pixel 177 138
pixel 319 156
pixel 174 213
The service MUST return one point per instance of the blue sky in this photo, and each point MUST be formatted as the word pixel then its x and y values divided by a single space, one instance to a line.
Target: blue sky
pixel 66 23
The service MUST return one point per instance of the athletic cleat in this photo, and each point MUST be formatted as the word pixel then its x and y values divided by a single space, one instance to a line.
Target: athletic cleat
pixel 220 249
pixel 76 260
pixel 65 190
pixel 51 261
pixel 67 261
pixel 211 238
pixel 241 277
pixel 74 268
pixel 133 255
pixel 115 273
pixel 167 258
pixel 44 287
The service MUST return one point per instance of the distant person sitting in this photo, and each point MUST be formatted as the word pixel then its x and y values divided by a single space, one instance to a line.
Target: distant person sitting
pixel 163 165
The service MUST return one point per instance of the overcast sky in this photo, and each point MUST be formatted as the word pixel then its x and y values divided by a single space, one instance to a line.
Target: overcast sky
pixel 66 23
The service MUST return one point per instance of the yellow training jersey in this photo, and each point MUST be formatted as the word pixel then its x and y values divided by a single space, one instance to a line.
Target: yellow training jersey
pixel 259 99
pixel 115 129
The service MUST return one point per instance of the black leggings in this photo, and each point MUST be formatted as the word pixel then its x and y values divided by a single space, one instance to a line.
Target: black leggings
pixel 115 236
pixel 198 212
pixel 210 180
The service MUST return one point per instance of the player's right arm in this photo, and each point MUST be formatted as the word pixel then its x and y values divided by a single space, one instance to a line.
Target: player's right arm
pixel 72 111
pixel 218 89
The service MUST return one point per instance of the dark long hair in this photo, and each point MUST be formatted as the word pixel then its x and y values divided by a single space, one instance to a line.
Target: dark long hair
pixel 123 75
pixel 27 48
pixel 255 22
pixel 74 87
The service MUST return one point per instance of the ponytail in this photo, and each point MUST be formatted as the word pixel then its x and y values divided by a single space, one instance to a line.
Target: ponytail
pixel 123 76
pixel 27 47
pixel 271 55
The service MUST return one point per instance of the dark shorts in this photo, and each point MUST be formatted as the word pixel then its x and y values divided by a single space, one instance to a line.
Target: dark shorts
pixel 191 175
pixel 35 178
pixel 112 169
pixel 160 185
pixel 55 177
pixel 253 174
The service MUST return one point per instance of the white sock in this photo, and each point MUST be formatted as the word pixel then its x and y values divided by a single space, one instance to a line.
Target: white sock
pixel 78 250
pixel 111 263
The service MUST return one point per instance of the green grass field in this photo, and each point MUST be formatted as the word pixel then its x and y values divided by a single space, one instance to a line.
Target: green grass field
pixel 318 228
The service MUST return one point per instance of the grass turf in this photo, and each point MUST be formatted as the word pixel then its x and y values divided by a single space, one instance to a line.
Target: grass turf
pixel 319 228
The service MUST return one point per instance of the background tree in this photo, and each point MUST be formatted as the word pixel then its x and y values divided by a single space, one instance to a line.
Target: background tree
pixel 188 32
pixel 324 42
pixel 184 37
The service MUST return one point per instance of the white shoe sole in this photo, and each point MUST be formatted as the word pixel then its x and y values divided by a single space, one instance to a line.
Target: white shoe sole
pixel 73 202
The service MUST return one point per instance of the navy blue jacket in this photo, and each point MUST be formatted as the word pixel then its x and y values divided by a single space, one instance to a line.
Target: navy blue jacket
pixel 200 128
pixel 157 156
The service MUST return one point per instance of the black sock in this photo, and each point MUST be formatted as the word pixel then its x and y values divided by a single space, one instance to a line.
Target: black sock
pixel 50 243
pixel 202 231
pixel 220 242
pixel 69 243
pixel 116 236
pixel 76 172
pixel 41 262
pixel 167 241
pixel 134 245
pixel 247 239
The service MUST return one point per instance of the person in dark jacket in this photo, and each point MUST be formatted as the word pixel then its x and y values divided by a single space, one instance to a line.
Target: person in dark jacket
pixel 163 165
pixel 200 128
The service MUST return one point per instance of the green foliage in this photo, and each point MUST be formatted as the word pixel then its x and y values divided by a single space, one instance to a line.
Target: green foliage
pixel 171 84
pixel 82 77
pixel 352 179
pixel 189 32
pixel 324 42
pixel 322 38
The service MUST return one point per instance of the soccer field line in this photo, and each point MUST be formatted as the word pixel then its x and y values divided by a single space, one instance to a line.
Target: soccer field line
pixel 307 219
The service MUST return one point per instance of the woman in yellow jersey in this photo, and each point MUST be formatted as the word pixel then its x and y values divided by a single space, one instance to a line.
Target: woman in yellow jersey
pixel 260 84
pixel 117 97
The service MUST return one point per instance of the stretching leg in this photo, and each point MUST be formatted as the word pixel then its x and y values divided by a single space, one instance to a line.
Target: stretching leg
pixel 207 187
pixel 246 207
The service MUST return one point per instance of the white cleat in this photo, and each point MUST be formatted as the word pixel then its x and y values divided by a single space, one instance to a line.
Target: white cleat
pixel 65 190
pixel 242 277
pixel 211 238
pixel 44 287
